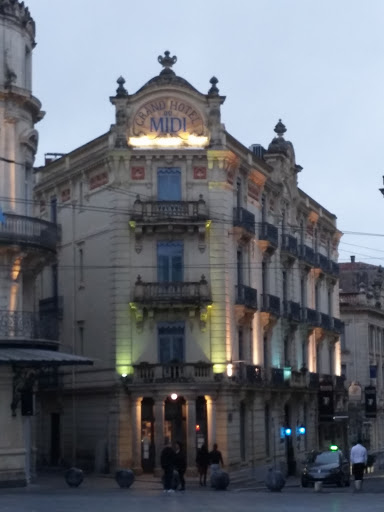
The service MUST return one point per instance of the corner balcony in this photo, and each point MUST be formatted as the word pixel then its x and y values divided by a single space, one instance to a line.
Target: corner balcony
pixel 325 322
pixel 244 220
pixel 268 237
pixel 289 245
pixel 29 232
pixel 147 373
pixel 307 255
pixel 292 311
pixel 24 328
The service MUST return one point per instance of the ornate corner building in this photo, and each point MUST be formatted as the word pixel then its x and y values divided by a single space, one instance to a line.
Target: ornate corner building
pixel 29 337
pixel 362 311
pixel 201 280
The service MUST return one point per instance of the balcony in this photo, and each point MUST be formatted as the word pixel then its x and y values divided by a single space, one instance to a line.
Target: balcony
pixel 326 322
pixel 29 232
pixel 246 296
pixel 322 262
pixel 334 268
pixel 311 317
pixel 146 373
pixel 289 244
pixel 339 382
pixel 270 304
pixel 298 379
pixel 276 377
pixel 19 327
pixel 292 311
pixel 172 293
pixel 268 233
pixel 337 325
pixel 307 254
pixel 244 219
pixel 155 212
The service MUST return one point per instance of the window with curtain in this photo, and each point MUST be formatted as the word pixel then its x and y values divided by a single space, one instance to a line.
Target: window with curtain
pixel 170 261
pixel 171 342
pixel 169 184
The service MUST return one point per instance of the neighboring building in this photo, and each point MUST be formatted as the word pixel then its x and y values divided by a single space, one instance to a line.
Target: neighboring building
pixel 362 311
pixel 201 280
pixel 28 330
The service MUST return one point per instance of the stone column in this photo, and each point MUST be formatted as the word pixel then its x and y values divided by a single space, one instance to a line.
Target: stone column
pixel 191 432
pixel 211 419
pixel 136 434
pixel 159 409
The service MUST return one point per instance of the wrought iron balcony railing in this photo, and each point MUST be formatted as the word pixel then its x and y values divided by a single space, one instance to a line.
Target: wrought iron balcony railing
pixel 311 317
pixel 172 292
pixel 246 296
pixel 307 254
pixel 244 219
pixel 322 262
pixel 326 322
pixel 30 231
pixel 270 304
pixel 25 325
pixel 292 310
pixel 337 325
pixel 170 211
pixel 172 372
pixel 289 244
pixel 270 233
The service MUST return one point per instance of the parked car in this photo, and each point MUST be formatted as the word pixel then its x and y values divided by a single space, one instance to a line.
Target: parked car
pixel 329 467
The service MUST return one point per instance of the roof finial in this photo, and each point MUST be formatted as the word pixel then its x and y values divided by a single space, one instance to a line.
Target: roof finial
pixel 167 62
pixel 280 129
pixel 121 90
pixel 213 91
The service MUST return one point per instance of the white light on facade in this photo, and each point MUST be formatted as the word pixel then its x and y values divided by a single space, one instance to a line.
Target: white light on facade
pixel 229 369
pixel 174 396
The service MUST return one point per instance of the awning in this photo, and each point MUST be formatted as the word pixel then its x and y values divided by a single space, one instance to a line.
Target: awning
pixel 38 357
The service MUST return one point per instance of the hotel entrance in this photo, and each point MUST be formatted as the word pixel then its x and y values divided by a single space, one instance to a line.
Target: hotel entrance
pixel 175 420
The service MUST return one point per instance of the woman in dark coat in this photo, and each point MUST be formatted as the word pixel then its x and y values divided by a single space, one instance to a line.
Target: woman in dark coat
pixel 202 461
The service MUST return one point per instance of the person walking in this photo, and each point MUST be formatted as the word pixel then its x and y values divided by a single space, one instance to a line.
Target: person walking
pixel 202 462
pixel 215 459
pixel 180 464
pixel 358 460
pixel 167 461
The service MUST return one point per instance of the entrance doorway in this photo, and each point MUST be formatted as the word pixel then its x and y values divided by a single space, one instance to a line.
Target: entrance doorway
pixel 175 420
pixel 147 436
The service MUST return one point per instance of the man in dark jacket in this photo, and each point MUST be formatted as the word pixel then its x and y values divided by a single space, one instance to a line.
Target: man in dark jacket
pixel 180 464
pixel 167 461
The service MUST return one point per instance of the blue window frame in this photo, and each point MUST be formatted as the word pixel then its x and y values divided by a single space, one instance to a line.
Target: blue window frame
pixel 169 261
pixel 171 342
pixel 169 184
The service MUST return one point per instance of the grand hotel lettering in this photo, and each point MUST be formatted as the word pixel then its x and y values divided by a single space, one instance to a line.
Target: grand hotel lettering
pixel 167 116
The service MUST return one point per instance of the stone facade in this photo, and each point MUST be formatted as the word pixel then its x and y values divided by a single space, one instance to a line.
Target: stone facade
pixel 362 311
pixel 201 280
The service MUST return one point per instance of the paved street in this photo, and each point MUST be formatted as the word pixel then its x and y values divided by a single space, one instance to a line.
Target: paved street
pixel 102 495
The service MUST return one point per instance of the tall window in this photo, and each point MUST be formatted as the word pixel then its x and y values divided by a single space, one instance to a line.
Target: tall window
pixel 286 352
pixel 169 261
pixel 330 302
pixel 263 208
pixel 239 192
pixel 241 344
pixel 169 184
pixel 54 209
pixel 285 285
pixel 317 297
pixel 303 289
pixel 171 342
pixel 55 280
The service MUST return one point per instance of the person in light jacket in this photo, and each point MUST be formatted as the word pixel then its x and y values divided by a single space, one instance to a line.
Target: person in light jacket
pixel 359 458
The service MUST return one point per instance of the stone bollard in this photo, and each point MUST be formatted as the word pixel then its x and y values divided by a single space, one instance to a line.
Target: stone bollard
pixel 318 486
pixel 274 480
pixel 124 478
pixel 220 480
pixel 358 484
pixel 74 477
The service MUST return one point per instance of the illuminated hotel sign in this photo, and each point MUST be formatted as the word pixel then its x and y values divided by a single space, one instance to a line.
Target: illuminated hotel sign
pixel 168 122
